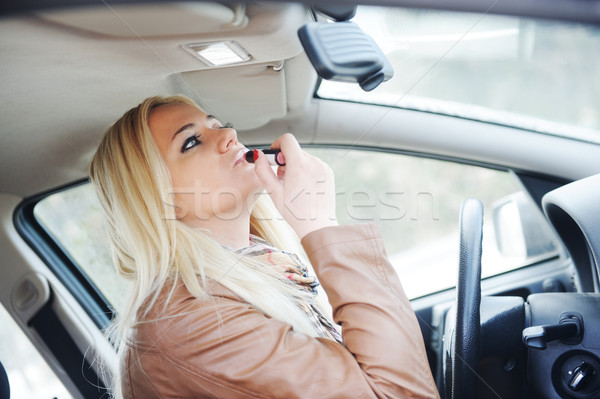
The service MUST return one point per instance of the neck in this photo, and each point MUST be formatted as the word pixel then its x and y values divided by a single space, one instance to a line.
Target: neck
pixel 233 233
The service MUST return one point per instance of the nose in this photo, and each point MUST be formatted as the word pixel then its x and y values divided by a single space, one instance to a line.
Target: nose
pixel 227 140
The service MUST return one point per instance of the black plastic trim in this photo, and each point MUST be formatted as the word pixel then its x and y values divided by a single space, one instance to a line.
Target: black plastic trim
pixel 539 185
pixel 57 259
pixel 56 337
pixel 4 386
pixel 575 240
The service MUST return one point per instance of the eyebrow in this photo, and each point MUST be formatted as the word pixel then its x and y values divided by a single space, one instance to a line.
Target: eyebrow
pixel 191 126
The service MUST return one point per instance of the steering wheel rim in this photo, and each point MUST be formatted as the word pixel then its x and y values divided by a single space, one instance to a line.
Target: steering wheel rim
pixel 464 349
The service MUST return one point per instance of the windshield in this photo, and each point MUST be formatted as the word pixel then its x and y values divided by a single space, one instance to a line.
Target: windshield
pixel 533 74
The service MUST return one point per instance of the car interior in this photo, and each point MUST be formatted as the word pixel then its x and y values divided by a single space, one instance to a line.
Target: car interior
pixel 468 130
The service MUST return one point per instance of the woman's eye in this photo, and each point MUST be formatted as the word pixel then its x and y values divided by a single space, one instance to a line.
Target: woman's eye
pixel 228 125
pixel 191 142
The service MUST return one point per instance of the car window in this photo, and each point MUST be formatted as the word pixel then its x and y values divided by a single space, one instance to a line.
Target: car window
pixel 74 219
pixel 414 200
pixel 29 375
pixel 416 203
pixel 469 52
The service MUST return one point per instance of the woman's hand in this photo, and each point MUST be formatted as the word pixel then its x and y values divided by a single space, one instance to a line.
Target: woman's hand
pixel 303 190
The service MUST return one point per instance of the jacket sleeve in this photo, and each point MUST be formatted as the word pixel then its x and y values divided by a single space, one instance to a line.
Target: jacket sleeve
pixel 229 349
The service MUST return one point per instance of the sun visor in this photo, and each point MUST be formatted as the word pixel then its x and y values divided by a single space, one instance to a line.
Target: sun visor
pixel 342 52
pixel 252 96
pixel 151 20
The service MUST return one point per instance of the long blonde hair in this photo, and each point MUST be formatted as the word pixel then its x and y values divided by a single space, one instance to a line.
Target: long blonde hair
pixel 151 248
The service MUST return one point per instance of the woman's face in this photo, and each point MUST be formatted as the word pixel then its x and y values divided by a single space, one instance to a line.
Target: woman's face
pixel 209 174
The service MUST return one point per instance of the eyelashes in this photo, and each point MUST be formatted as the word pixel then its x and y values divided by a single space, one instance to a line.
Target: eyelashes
pixel 193 141
pixel 190 143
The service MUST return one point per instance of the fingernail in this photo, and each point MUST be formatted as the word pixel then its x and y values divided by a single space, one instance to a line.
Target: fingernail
pixel 255 154
pixel 280 159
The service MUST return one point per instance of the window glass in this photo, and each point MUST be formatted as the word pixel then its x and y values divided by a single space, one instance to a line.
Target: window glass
pixel 75 220
pixel 502 69
pixel 29 375
pixel 415 201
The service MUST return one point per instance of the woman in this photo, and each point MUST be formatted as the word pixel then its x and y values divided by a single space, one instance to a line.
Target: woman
pixel 215 309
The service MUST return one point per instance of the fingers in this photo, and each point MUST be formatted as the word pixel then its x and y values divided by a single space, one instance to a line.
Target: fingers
pixel 280 172
pixel 289 147
pixel 303 190
pixel 265 173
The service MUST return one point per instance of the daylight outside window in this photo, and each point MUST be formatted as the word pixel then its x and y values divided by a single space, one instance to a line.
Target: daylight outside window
pixel 486 67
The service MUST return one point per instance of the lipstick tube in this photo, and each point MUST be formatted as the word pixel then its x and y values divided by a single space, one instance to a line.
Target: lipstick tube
pixel 274 156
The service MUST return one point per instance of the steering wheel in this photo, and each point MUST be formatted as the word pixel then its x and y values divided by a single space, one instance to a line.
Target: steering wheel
pixel 464 347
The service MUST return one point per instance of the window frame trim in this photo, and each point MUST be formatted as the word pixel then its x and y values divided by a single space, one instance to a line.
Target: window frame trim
pixel 57 259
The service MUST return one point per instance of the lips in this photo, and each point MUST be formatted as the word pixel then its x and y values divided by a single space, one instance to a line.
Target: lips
pixel 239 157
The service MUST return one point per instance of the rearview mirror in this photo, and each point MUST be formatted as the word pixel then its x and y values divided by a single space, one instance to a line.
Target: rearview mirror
pixel 342 52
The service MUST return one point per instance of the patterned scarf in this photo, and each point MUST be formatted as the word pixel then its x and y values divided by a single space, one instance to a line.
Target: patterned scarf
pixel 293 269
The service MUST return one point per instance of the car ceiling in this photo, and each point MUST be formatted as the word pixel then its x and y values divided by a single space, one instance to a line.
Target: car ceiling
pixel 69 78
pixel 67 74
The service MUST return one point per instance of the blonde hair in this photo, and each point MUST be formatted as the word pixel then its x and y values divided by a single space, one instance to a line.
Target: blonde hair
pixel 151 248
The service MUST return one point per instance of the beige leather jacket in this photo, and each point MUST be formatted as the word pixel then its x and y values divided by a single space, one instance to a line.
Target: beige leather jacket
pixel 228 349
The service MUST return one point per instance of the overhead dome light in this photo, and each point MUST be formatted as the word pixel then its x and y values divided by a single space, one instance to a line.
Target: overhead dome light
pixel 218 53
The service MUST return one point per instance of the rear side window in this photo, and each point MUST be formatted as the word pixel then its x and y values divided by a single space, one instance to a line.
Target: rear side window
pixel 415 201
pixel 75 221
